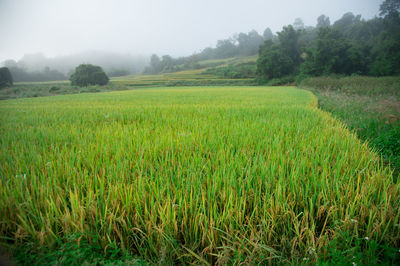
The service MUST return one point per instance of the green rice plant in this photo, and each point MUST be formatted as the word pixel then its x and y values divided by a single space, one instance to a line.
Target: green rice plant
pixel 214 175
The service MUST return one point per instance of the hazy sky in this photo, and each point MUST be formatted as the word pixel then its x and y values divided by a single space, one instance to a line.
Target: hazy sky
pixel 176 27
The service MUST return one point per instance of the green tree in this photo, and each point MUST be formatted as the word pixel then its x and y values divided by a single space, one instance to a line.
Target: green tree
pixel 248 44
pixel 386 50
pixel 289 42
pixel 389 7
pixel 155 62
pixel 192 62
pixel 298 24
pixel 323 21
pixel 167 63
pixel 268 35
pixel 225 48
pixel 87 74
pixel 273 62
pixel 330 54
pixel 207 53
pixel 5 77
pixel 346 20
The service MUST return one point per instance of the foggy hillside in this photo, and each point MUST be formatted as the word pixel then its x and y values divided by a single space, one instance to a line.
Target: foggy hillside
pixel 110 62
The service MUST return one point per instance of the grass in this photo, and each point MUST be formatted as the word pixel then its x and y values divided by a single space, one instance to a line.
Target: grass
pixel 214 175
pixel 40 89
pixel 369 106
pixel 356 85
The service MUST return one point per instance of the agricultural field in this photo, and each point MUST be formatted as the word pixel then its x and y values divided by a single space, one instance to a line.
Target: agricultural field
pixel 208 74
pixel 181 78
pixel 204 175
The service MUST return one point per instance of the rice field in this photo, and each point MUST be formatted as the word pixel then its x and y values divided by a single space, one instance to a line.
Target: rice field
pixel 196 77
pixel 204 175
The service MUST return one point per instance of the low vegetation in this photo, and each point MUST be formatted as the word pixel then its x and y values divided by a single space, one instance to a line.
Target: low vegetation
pixel 72 250
pixel 214 175
pixel 369 106
pixel 40 89
pixel 242 71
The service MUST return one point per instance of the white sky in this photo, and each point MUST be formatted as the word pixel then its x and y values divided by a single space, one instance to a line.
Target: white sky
pixel 175 27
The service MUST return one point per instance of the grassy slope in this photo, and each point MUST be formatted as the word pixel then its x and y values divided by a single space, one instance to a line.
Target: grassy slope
pixel 369 106
pixel 193 175
pixel 191 77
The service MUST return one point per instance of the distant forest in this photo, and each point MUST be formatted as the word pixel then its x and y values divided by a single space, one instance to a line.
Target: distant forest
pixel 350 45
pixel 37 67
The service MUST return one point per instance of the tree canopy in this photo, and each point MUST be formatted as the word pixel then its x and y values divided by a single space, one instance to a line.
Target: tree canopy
pixel 351 45
pixel 87 74
pixel 5 77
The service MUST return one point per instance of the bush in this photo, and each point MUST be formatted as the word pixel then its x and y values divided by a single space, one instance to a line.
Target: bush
pixel 86 74
pixel 53 89
pixel 5 77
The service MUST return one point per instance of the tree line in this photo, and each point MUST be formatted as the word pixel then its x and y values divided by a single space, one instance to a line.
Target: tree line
pixel 242 44
pixel 349 46
pixel 37 67
pixel 21 74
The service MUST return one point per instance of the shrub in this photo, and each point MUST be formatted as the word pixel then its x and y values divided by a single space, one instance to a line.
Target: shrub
pixel 87 74
pixel 54 89
pixel 5 77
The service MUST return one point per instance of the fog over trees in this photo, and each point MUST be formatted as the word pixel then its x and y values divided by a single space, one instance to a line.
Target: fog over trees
pixel 38 67
pixel 291 45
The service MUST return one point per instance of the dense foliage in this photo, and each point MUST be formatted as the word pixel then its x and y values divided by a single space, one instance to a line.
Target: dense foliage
pixel 21 74
pixel 5 77
pixel 87 74
pixel 351 45
pixel 239 45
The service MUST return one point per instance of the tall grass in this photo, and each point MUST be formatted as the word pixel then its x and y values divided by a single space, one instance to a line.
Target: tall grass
pixel 369 106
pixel 370 86
pixel 191 175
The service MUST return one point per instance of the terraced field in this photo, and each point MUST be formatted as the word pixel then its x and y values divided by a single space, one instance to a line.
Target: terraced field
pixel 181 78
pixel 192 175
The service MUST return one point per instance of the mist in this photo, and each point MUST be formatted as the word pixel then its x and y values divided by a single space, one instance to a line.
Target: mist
pixel 128 29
